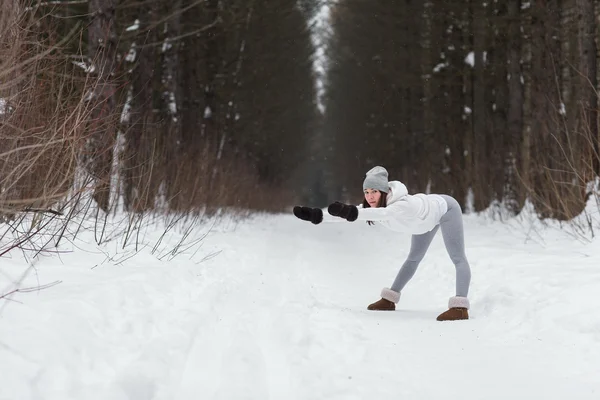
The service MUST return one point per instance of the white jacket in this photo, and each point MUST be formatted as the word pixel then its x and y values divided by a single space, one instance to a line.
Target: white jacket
pixel 415 214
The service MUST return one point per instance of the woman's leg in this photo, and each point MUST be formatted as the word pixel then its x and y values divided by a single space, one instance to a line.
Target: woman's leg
pixel 418 247
pixel 454 239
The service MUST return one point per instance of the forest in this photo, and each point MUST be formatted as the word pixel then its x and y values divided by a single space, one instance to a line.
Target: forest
pixel 196 105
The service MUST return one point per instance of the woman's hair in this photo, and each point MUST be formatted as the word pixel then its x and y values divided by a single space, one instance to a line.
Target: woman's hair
pixel 381 203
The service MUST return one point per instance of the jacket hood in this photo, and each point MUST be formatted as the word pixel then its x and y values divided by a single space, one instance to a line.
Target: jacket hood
pixel 398 191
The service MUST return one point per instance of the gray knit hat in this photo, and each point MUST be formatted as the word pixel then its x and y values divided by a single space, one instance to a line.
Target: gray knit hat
pixel 377 178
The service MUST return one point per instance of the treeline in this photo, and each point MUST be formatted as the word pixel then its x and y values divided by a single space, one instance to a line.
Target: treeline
pixel 490 101
pixel 195 104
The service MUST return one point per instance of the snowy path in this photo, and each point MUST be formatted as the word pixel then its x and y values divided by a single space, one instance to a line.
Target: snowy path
pixel 281 313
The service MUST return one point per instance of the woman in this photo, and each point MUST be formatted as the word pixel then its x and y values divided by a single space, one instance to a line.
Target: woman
pixel 389 204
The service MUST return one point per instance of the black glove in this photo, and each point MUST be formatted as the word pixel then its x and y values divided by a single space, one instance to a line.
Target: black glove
pixel 346 211
pixel 314 215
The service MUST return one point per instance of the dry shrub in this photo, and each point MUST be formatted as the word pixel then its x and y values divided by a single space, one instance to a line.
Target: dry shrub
pixel 43 127
pixel 562 169
pixel 195 181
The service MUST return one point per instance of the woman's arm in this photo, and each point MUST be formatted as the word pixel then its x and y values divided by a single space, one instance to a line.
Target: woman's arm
pixel 375 214
pixel 402 208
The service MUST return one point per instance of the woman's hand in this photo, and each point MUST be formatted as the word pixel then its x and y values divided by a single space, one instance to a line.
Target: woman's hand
pixel 314 215
pixel 346 211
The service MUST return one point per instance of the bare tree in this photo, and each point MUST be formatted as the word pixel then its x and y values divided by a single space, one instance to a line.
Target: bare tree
pixel 102 49
pixel 588 78
pixel 514 193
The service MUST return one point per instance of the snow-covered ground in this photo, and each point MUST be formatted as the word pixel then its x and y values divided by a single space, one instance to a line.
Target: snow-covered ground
pixel 275 308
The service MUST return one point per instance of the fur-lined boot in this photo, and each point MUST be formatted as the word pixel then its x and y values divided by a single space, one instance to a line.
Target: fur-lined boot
pixel 388 301
pixel 458 309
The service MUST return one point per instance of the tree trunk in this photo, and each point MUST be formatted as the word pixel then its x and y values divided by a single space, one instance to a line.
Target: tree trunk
pixel 480 165
pixel 425 172
pixel 142 133
pixel 514 190
pixel 524 163
pixel 497 131
pixel 212 60
pixel 172 101
pixel 467 83
pixel 102 39
pixel 589 80
pixel 568 65
pixel 416 125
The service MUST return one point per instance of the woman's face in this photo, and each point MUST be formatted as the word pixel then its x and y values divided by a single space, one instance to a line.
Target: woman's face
pixel 372 197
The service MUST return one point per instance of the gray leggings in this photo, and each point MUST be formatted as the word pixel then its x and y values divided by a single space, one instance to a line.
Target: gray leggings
pixel 452 232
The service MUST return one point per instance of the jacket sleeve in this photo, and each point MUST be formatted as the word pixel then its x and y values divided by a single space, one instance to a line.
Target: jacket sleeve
pixel 402 208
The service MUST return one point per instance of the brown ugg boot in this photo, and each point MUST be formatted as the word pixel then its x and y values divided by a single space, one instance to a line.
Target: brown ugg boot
pixel 382 305
pixel 458 309
pixel 388 301
pixel 454 314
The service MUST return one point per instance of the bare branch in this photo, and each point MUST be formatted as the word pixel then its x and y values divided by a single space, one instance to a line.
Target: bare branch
pixel 29 289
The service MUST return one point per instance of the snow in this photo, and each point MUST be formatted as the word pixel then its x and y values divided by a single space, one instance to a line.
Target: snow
pixel 87 68
pixel 134 27
pixel 440 66
pixel 2 106
pixel 166 46
pixel 126 111
pixel 470 58
pixel 275 308
pixel 172 103
pixel 131 54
